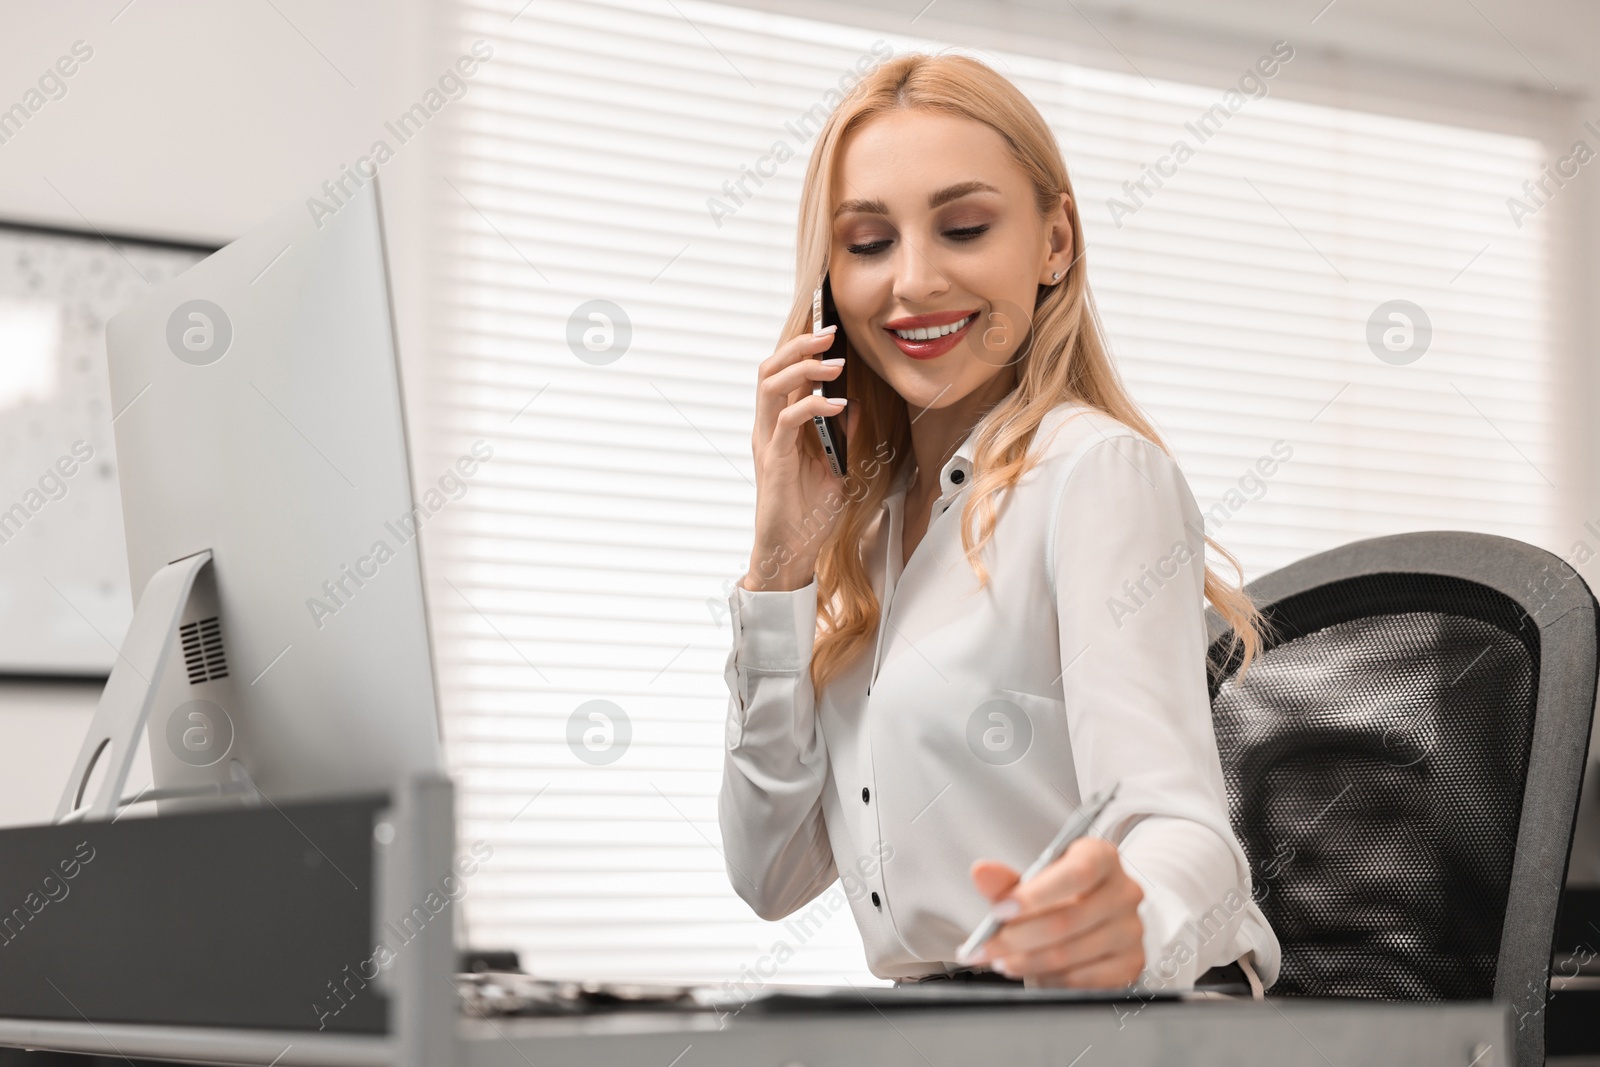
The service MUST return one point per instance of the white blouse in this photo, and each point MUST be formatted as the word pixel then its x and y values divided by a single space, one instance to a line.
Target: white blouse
pixel 984 717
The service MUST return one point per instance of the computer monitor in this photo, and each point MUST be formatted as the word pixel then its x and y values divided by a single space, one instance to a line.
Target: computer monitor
pixel 280 646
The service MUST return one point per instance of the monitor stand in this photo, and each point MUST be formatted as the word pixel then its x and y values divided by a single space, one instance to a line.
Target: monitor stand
pixel 142 673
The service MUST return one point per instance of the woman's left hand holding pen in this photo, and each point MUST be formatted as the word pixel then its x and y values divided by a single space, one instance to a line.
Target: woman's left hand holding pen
pixel 1077 922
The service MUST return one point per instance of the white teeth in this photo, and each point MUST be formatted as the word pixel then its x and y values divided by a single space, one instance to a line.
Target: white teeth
pixel 928 333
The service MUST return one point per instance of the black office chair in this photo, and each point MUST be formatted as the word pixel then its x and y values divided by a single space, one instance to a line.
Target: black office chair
pixel 1379 757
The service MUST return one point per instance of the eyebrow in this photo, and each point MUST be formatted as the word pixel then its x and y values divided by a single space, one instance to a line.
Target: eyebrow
pixel 943 196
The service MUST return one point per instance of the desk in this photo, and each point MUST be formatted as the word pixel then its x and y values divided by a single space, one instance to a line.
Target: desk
pixel 1213 1034
pixel 1219 1033
pixel 286 898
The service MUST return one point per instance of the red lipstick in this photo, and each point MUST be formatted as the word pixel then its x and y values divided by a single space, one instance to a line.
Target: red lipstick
pixel 930 347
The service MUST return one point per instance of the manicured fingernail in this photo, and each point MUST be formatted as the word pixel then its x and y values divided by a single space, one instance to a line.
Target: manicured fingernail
pixel 1002 966
pixel 836 361
pixel 1007 910
pixel 840 400
pixel 827 329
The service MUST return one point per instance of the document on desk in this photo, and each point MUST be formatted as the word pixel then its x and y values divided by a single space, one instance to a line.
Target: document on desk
pixel 921 995
pixel 506 994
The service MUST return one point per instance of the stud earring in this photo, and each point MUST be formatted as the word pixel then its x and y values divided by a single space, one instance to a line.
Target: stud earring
pixel 1056 276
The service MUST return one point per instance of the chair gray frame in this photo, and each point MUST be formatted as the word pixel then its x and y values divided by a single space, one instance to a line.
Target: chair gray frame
pixel 1558 600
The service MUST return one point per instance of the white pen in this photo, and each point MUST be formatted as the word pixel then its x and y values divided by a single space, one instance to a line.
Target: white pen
pixel 1075 827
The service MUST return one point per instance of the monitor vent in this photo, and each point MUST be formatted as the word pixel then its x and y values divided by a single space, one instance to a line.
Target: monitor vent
pixel 202 650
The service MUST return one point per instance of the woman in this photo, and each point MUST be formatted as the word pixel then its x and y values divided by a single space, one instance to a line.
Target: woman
pixel 999 610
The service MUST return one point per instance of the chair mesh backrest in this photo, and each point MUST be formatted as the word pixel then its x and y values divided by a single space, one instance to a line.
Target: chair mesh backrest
pixel 1375 758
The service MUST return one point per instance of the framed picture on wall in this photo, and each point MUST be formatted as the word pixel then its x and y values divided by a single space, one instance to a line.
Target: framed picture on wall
pixel 65 603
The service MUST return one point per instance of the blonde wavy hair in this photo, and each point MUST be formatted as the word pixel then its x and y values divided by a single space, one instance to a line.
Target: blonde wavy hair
pixel 1065 361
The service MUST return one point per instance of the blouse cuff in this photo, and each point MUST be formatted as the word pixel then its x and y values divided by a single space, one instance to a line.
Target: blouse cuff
pixel 1168 964
pixel 774 629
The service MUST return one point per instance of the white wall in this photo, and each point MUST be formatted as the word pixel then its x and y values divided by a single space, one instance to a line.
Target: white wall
pixel 41 726
pixel 194 120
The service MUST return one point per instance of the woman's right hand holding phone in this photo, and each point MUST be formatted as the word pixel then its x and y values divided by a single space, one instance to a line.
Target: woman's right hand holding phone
pixel 794 484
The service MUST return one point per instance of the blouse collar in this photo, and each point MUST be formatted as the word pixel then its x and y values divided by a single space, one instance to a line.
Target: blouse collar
pixel 953 477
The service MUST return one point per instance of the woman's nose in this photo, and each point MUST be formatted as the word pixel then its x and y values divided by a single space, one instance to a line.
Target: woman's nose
pixel 917 276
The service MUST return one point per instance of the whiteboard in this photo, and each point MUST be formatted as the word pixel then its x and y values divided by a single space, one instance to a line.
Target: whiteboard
pixel 64 598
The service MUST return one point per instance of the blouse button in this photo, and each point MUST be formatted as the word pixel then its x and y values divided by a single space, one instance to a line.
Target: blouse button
pixel 865 795
pixel 875 901
pixel 958 476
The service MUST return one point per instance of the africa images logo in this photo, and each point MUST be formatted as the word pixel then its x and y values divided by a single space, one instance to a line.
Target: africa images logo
pixel 199 332
pixel 199 733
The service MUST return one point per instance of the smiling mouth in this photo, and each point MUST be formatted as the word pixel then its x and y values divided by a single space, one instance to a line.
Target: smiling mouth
pixel 930 333
pixel 931 342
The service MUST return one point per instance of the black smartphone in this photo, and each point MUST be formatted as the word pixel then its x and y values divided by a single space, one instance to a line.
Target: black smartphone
pixel 830 428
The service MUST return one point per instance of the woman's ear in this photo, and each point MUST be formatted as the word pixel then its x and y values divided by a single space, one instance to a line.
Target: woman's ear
pixel 1059 237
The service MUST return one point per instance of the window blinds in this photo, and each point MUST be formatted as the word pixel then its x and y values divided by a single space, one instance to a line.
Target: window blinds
pixel 615 235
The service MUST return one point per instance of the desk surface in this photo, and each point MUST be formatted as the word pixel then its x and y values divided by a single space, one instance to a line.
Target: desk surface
pixel 1221 1033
